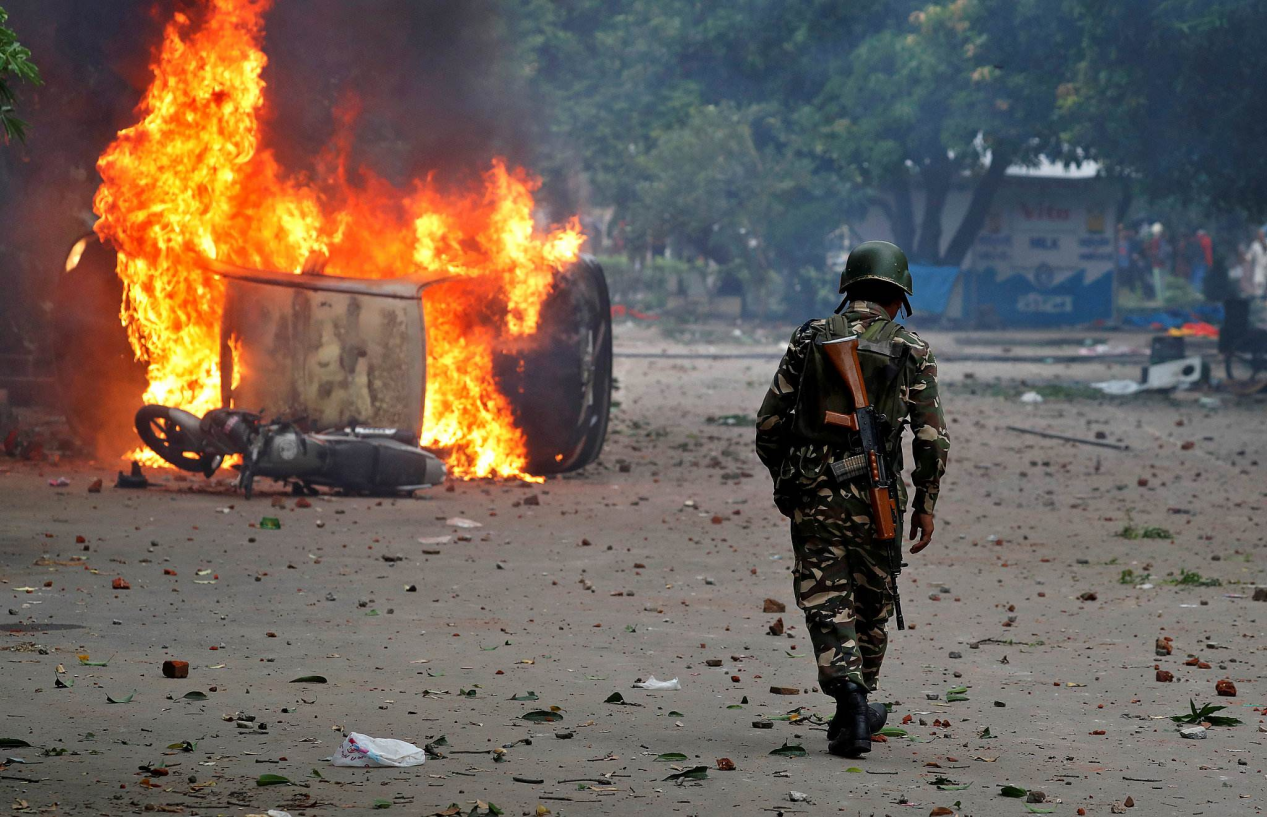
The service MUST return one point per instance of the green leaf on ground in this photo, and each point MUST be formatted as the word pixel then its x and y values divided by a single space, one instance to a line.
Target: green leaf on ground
pixel 381 803
pixel 184 745
pixel 670 757
pixel 1034 808
pixel 490 649
pixel 1206 714
pixel 954 697
pixel 1013 791
pixel 58 683
pixel 957 691
pixel 735 706
pixel 13 743
pixel 542 716
pixel 310 679
pixel 84 663
pixel 693 773
pixel 892 732
pixel 127 700
pixel 272 780
pixel 787 750
pixel 316 774
pixel 956 787
pixel 673 713
pixel 467 693
pixel 195 695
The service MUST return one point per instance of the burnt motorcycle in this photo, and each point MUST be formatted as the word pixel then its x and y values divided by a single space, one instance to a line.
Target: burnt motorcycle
pixel 355 459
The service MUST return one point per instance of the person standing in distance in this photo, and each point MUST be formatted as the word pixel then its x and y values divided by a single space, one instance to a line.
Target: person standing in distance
pixel 840 577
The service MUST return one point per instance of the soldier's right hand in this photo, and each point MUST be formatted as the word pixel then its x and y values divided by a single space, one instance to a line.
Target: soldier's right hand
pixel 921 531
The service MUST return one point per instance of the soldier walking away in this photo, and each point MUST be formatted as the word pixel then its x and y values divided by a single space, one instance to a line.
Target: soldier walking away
pixel 844 580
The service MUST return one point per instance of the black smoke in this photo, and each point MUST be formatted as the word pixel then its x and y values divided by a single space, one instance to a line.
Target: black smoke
pixel 435 89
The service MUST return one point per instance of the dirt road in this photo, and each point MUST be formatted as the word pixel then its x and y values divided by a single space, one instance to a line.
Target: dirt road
pixel 654 562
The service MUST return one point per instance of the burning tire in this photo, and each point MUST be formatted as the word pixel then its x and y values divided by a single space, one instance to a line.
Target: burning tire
pixel 562 392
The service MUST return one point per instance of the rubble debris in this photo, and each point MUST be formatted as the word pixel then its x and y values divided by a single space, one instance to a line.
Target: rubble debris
pixel 1065 438
pixel 134 480
pixel 176 669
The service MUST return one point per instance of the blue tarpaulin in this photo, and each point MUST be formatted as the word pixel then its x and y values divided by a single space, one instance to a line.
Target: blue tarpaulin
pixel 932 288
pixel 1018 300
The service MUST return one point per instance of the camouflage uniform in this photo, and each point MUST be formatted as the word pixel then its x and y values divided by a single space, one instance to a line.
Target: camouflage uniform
pixel 840 579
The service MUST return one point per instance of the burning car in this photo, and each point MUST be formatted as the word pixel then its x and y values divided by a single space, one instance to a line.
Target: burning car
pixel 330 350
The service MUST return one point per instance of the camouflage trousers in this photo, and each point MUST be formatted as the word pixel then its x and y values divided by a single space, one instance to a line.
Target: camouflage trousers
pixel 842 585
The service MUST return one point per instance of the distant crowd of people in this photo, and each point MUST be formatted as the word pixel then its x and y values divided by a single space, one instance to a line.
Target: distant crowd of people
pixel 1149 255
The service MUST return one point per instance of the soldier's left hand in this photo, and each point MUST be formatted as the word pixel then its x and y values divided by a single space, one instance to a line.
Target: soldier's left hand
pixel 921 527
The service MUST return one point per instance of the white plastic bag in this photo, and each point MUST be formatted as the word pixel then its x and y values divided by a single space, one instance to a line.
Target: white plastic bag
pixel 363 750
pixel 653 684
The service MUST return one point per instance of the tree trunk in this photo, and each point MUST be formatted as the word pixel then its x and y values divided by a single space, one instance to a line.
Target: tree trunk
pixel 1125 199
pixel 978 208
pixel 937 178
pixel 903 220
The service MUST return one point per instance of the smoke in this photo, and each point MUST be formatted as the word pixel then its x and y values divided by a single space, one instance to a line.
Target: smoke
pixel 435 93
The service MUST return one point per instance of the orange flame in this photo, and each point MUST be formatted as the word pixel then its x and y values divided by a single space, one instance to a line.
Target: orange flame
pixel 192 180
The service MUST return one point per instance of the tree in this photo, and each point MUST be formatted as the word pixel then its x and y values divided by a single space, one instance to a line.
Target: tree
pixel 958 90
pixel 1168 94
pixel 722 186
pixel 15 61
pixel 681 115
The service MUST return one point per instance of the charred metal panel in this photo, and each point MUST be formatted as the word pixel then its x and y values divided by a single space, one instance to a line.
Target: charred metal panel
pixel 344 351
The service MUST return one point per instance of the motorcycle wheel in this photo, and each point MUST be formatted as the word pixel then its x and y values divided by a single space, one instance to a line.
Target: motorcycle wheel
pixel 173 435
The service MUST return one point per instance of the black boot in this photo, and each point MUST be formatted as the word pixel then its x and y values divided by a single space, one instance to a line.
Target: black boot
pixel 851 724
pixel 877 716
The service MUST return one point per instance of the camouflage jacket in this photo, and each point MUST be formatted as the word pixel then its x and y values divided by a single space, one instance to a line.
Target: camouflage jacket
pixel 798 466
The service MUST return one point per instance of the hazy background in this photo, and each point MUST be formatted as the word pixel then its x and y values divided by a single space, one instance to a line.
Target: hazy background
pixel 731 149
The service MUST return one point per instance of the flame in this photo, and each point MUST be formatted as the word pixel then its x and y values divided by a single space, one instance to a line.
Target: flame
pixel 191 180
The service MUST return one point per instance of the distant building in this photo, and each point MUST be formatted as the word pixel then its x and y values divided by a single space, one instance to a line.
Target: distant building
pixel 1044 257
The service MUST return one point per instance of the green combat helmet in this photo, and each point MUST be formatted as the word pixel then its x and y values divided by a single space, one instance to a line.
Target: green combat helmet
pixel 878 261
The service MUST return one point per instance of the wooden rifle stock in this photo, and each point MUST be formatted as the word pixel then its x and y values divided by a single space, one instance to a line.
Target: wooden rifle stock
pixel 843 354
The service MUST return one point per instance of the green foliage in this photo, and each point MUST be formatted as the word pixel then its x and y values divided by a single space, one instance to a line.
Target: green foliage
pixel 1161 95
pixel 1132 531
pixel 1205 715
pixel 1191 578
pixel 1129 576
pixel 15 62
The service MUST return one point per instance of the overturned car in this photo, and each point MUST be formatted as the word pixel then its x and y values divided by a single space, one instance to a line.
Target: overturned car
pixel 325 351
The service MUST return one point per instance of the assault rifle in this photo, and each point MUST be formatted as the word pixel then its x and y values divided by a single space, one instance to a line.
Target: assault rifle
pixel 870 464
